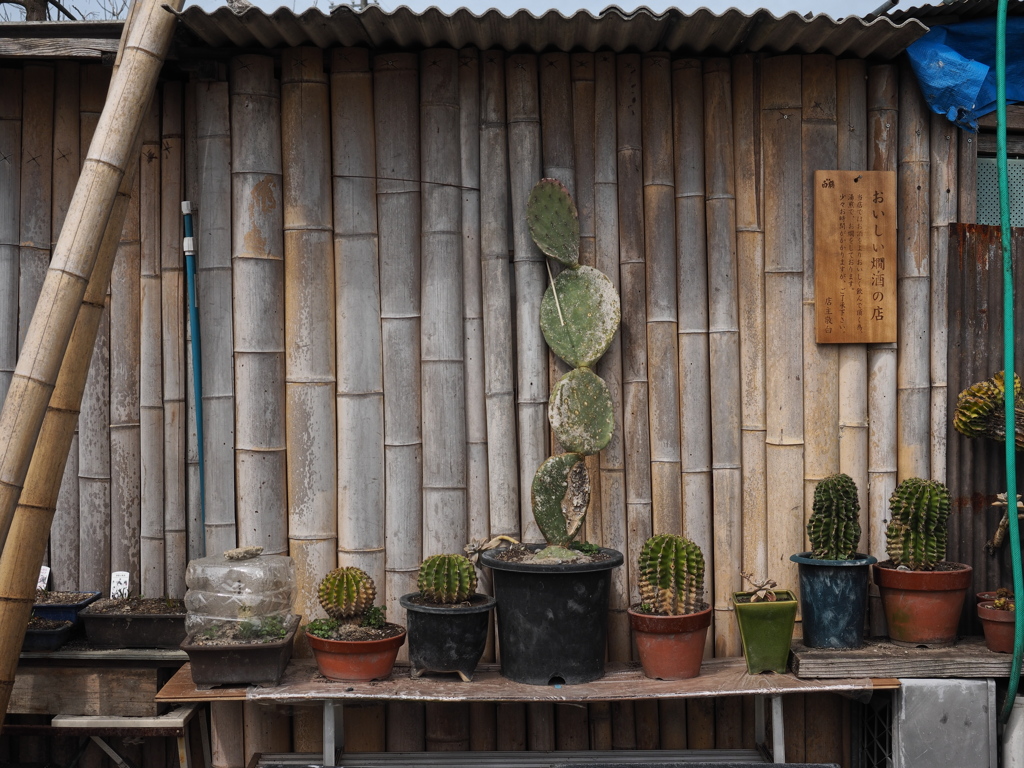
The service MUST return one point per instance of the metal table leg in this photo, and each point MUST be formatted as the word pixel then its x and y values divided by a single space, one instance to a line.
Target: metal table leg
pixel 334 731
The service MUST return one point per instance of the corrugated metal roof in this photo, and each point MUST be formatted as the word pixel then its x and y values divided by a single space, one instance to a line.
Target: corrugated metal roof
pixel 953 12
pixel 700 32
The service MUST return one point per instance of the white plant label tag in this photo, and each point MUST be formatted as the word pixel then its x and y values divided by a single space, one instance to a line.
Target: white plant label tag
pixel 119 584
pixel 44 577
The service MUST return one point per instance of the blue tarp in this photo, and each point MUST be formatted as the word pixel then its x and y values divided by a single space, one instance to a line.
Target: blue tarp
pixel 955 66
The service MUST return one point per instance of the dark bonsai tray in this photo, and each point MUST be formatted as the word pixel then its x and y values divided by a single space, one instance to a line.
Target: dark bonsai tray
pixel 64 611
pixel 240 663
pixel 139 630
pixel 47 639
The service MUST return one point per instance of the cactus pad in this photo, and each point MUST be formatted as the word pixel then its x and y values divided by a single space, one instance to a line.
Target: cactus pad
pixel 590 314
pixel 671 572
pixel 834 527
pixel 560 497
pixel 347 593
pixel 981 411
pixel 580 412
pixel 447 579
pixel 916 535
pixel 553 221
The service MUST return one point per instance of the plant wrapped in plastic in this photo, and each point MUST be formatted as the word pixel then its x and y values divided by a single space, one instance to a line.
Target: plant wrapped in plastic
pixel 834 527
pixel 671 576
pixel 447 579
pixel 916 536
pixel 347 594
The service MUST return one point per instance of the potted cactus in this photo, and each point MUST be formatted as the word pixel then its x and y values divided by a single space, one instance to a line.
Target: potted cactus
pixel 447 619
pixel 834 575
pixel 766 616
pixel 354 643
pixel 670 623
pixel 552 599
pixel 922 594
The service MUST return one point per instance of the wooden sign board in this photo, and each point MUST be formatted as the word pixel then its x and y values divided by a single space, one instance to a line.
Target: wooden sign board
pixel 855 256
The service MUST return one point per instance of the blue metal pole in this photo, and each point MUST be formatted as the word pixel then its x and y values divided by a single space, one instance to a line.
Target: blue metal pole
pixel 197 363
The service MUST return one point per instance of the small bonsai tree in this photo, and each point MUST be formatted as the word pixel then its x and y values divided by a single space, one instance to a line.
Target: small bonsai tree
pixel 834 526
pixel 671 576
pixel 916 535
pixel 446 579
pixel 347 594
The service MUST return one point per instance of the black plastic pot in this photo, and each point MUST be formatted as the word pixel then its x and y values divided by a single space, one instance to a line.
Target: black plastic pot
pixel 446 638
pixel 119 630
pixel 64 611
pixel 240 664
pixel 47 639
pixel 552 618
pixel 834 599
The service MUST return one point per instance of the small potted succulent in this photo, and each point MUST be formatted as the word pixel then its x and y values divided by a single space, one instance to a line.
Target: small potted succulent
pixel 447 619
pixel 766 616
pixel 552 601
pixel 922 594
pixel 834 575
pixel 998 621
pixel 354 643
pixel 670 623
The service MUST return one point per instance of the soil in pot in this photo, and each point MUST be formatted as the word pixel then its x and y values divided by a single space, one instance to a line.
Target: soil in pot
pixel 61 606
pixel 446 638
pixel 834 598
pixel 998 626
pixel 923 607
pixel 46 634
pixel 135 622
pixel 766 630
pixel 229 654
pixel 357 654
pixel 670 647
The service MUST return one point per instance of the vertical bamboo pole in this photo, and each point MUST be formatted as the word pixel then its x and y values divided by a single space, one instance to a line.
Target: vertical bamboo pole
pixel 662 301
pixel 213 140
pixel 10 221
pixel 309 306
pixel 818 129
pixel 502 463
pixel 614 531
pixel 258 304
pixel 746 96
pixel 173 314
pixel 366 723
pixel 943 211
pixel 852 154
pixel 442 341
pixel 266 729
pixel 396 130
pixel 404 726
pixel 723 345
pixel 94 422
pixel 151 364
pixel 524 155
pixel 360 388
pixel 883 118
pixel 780 118
pixel 913 375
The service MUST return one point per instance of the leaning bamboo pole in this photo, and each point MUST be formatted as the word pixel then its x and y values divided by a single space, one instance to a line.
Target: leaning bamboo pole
pixel 151 365
pixel 723 345
pixel 783 256
pixel 883 122
pixel 662 311
pixel 360 376
pixel 818 135
pixel 442 342
pixel 213 235
pixel 258 304
pixel 750 274
pixel 524 156
pixel 852 154
pixel 913 280
pixel 10 221
pixel 309 306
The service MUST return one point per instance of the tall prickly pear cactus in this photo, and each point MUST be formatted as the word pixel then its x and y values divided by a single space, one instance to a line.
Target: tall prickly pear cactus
pixel 447 579
pixel 346 594
pixel 671 575
pixel 834 527
pixel 980 410
pixel 580 314
pixel 916 536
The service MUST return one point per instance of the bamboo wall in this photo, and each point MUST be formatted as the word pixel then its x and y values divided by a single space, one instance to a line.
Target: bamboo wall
pixel 375 381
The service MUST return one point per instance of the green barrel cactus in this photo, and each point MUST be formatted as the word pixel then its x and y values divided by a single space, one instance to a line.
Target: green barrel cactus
pixel 560 496
pixel 447 579
pixel 579 326
pixel 916 535
pixel 981 411
pixel 580 412
pixel 346 594
pixel 553 221
pixel 671 575
pixel 834 527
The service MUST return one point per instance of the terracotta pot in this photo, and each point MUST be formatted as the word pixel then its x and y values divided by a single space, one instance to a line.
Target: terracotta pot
pixel 670 647
pixel 987 597
pixel 998 626
pixel 923 607
pixel 355 660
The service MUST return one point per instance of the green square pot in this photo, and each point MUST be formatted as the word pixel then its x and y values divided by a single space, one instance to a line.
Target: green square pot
pixel 766 630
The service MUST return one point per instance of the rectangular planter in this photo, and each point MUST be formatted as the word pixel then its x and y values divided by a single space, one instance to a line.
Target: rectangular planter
pixel 47 639
pixel 240 664
pixel 113 630
pixel 63 611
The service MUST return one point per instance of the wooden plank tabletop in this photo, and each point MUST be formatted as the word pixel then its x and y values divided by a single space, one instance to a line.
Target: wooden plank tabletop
pixel 622 682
